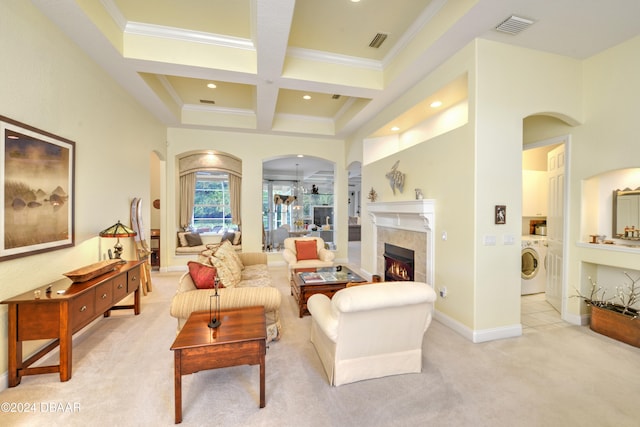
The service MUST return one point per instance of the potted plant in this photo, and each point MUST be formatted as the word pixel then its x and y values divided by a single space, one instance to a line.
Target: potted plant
pixel 616 316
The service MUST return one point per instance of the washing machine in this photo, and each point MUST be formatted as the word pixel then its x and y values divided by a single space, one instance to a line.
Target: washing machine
pixel 533 265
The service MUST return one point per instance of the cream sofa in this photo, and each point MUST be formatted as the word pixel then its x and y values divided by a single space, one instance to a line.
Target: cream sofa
pixel 371 331
pixel 253 289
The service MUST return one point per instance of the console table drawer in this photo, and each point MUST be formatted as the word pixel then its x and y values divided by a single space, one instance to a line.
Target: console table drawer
pixel 133 279
pixel 104 296
pixel 82 309
pixel 119 287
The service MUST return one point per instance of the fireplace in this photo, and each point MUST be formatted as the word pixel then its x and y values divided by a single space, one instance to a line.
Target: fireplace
pixel 398 263
pixel 408 224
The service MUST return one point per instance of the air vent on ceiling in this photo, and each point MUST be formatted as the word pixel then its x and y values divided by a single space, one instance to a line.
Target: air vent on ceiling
pixel 378 40
pixel 335 96
pixel 207 101
pixel 514 25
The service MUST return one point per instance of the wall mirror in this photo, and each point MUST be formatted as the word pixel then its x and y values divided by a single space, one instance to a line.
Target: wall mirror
pixel 626 211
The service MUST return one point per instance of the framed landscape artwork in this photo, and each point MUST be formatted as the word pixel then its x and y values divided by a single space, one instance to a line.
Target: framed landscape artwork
pixel 37 170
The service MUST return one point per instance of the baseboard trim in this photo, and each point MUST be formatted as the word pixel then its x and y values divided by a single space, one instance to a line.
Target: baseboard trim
pixel 478 336
pixel 577 319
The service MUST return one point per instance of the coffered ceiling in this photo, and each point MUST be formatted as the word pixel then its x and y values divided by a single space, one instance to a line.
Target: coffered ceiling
pixel 265 56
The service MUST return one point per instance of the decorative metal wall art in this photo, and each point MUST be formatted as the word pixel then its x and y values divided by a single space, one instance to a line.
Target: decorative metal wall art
pixel 396 178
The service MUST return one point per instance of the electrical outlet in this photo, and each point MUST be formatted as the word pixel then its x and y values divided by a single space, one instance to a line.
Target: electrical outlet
pixel 443 292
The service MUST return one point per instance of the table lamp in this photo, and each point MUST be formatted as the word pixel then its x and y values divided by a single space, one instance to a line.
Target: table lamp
pixel 117 230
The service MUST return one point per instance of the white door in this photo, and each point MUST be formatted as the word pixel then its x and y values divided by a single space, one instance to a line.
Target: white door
pixel 555 221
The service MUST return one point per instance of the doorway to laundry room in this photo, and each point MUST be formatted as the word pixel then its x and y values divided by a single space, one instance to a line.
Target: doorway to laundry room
pixel 543 201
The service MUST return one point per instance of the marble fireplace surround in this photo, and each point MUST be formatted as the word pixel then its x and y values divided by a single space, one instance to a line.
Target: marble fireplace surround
pixel 410 224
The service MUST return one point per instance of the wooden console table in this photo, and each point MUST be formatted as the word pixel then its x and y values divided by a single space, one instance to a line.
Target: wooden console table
pixel 60 313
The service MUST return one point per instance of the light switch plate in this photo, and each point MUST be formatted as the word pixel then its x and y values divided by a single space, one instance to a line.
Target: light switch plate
pixel 489 240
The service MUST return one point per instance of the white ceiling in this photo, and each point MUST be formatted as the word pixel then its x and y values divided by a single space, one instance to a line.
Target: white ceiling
pixel 264 55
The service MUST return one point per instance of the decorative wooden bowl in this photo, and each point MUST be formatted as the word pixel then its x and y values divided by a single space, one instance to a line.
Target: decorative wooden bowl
pixel 88 272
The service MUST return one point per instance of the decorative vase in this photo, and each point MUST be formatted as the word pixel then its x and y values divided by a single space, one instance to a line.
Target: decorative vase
pixel 615 325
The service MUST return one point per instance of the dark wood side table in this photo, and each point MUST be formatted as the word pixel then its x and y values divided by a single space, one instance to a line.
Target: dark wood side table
pixel 155 248
pixel 62 312
pixel 239 340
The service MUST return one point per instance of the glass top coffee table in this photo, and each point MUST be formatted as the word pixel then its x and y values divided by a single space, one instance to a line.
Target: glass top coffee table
pixel 326 280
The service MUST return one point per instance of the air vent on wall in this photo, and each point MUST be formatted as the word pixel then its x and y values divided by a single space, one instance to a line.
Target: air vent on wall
pixel 378 40
pixel 207 101
pixel 514 25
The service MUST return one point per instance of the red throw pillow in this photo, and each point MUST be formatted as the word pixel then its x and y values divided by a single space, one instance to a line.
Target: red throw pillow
pixel 203 275
pixel 306 249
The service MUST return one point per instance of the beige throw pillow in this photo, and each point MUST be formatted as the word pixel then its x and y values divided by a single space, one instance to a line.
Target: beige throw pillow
pixel 237 238
pixel 182 239
pixel 228 256
pixel 224 273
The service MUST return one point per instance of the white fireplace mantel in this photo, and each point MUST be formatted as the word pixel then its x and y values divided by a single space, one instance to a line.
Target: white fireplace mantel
pixel 414 216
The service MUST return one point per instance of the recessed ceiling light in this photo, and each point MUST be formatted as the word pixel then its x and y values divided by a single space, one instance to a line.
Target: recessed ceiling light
pixel 395 128
pixel 355 1
pixel 300 155
pixel 212 86
pixel 436 104
pixel 307 97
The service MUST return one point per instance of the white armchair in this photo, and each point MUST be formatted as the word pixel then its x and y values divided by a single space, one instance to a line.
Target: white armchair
pixel 322 257
pixel 371 331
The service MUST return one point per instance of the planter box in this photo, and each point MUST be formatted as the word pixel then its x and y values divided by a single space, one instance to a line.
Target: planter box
pixel 616 326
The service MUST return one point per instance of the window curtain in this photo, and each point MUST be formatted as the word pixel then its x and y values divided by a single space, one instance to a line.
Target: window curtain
pixel 235 192
pixel 187 195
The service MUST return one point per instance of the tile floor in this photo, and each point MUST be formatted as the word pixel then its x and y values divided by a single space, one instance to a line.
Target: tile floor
pixel 537 314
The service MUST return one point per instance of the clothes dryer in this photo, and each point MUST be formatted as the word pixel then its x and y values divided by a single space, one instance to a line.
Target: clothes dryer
pixel 533 272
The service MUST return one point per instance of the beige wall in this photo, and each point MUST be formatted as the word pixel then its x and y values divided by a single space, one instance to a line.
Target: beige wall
pixel 50 84
pixel 473 168
pixel 513 83
pixel 443 168
pixel 609 141
pixel 253 149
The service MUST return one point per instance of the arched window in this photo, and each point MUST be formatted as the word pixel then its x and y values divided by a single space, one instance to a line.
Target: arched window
pixel 210 190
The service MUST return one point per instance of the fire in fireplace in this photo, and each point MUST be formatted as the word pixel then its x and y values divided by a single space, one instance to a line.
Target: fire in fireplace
pixel 398 263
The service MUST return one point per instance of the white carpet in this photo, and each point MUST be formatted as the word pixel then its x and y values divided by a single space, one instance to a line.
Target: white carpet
pixel 123 376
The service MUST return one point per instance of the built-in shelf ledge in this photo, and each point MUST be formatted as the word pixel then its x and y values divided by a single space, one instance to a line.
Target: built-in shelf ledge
pixel 616 247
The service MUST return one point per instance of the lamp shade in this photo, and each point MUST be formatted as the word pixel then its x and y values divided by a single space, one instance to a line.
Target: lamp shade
pixel 117 230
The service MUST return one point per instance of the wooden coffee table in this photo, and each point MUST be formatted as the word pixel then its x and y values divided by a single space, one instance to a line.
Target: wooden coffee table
pixel 239 340
pixel 330 280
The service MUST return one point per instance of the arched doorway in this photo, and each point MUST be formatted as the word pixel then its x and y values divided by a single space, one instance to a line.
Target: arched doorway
pixel 297 199
pixel 354 210
pixel 546 155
